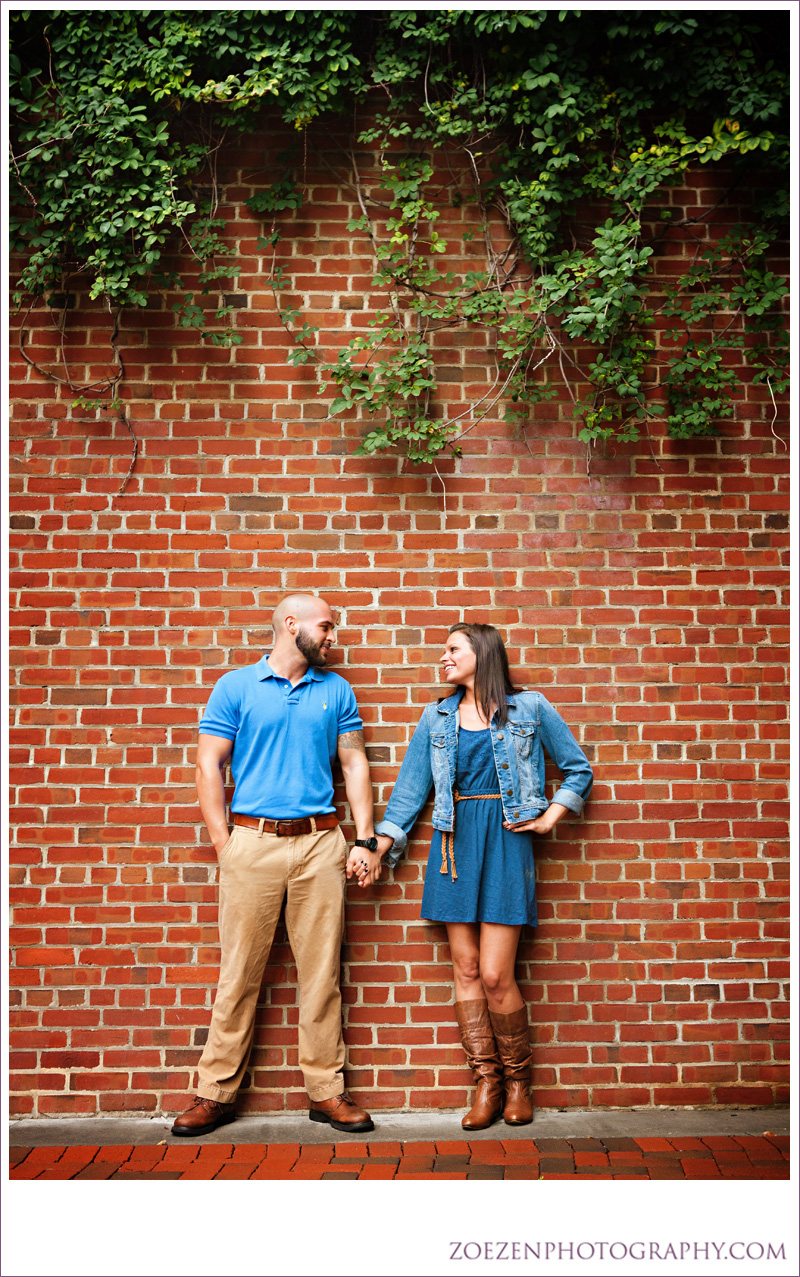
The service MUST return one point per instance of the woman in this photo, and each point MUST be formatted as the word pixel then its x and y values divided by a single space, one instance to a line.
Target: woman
pixel 482 748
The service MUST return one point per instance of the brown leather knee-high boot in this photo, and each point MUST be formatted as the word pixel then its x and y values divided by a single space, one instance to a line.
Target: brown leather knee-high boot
pixel 481 1051
pixel 513 1044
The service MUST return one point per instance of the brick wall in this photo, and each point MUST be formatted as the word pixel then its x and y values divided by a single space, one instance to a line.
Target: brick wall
pixel 645 599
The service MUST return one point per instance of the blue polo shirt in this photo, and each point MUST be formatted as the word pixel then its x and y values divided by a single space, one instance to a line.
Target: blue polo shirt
pixel 284 737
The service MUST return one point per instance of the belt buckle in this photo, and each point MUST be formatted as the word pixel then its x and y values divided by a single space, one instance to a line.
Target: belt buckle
pixel 284 833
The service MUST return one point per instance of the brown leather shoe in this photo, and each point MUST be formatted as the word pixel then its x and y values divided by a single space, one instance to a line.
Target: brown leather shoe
pixel 477 1038
pixel 513 1043
pixel 204 1116
pixel 342 1113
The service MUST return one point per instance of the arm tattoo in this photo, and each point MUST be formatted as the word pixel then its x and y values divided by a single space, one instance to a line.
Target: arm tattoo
pixel 352 740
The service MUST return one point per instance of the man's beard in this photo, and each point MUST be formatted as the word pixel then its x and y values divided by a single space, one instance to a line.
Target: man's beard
pixel 310 650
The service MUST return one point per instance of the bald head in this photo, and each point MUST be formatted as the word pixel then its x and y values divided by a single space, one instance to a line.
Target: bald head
pixel 300 606
pixel 303 626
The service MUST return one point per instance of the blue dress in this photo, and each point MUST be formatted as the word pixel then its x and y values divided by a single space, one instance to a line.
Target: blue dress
pixel 495 878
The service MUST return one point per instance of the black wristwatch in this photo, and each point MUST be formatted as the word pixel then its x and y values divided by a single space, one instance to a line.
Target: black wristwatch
pixel 371 844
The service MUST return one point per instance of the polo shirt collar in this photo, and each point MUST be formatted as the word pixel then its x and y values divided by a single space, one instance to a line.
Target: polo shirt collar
pixel 265 670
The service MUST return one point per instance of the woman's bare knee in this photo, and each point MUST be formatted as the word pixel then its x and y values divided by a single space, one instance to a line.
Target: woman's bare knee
pixel 467 967
pixel 497 981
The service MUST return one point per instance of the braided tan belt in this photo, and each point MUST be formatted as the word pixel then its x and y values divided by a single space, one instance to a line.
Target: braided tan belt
pixel 447 841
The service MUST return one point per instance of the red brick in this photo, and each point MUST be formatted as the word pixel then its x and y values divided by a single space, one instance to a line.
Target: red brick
pixel 759 1149
pixel 27 1170
pixel 177 1155
pixel 80 1153
pixel 487 1151
pixel 591 1159
pixel 46 1155
pixel 415 1165
pixel 290 1152
pixel 316 1153
pixel 249 1152
pixel 201 1171
pixel 699 1168
pixel 236 1170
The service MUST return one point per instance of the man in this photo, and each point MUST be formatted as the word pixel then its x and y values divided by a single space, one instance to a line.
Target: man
pixel 284 720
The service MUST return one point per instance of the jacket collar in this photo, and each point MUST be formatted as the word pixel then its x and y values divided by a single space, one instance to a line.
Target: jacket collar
pixel 449 704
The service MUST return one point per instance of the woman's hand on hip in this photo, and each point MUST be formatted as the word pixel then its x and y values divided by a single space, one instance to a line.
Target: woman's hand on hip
pixel 542 824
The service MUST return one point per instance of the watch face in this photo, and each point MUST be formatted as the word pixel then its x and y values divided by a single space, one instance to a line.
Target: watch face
pixel 371 844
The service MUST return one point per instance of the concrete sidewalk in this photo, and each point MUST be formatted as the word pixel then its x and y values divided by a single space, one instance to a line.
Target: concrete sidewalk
pixel 412 1127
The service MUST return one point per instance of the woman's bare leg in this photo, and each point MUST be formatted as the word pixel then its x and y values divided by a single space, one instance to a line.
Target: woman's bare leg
pixel 475 1026
pixel 497 946
pixel 509 1018
pixel 464 938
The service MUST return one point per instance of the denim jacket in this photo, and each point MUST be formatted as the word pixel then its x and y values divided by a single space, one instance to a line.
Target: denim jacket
pixel 532 726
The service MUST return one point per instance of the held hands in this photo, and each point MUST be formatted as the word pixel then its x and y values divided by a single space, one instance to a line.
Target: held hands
pixel 366 865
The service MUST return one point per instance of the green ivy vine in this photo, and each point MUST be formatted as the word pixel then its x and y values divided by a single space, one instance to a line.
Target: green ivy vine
pixel 118 119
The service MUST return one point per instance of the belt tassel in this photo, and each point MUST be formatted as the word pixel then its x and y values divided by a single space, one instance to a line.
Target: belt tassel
pixel 447 846
pixel 447 840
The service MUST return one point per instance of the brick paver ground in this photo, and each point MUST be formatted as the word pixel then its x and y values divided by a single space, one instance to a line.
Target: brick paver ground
pixel 712 1157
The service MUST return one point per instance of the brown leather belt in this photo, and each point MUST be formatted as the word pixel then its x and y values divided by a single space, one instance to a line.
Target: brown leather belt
pixel 288 828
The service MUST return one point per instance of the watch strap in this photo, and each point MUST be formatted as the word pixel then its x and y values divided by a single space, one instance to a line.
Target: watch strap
pixel 371 844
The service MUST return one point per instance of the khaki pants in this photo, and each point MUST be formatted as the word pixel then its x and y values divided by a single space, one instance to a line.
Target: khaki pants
pixel 255 870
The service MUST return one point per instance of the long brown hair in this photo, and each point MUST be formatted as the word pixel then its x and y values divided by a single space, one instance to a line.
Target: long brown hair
pixel 493 684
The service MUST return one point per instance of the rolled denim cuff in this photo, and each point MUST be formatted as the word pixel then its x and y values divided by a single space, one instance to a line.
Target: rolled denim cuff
pixel 391 830
pixel 568 798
